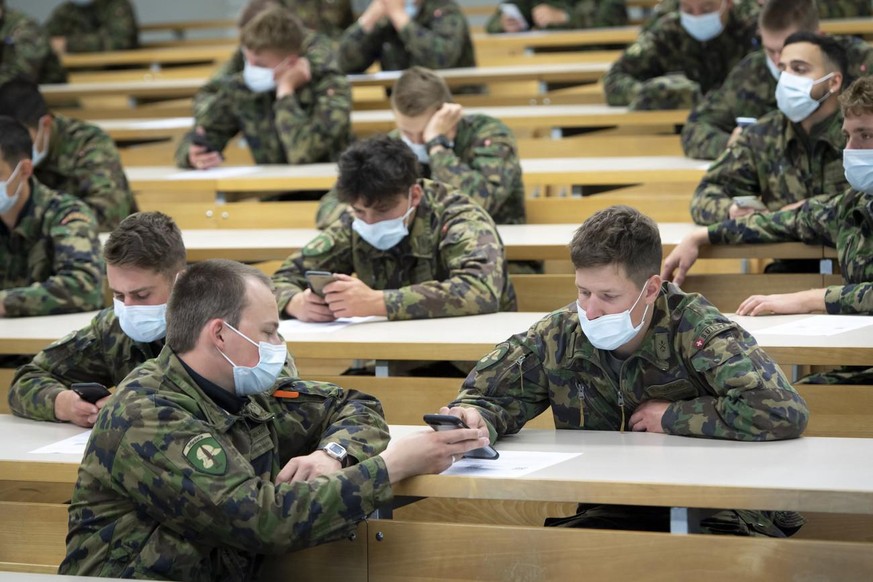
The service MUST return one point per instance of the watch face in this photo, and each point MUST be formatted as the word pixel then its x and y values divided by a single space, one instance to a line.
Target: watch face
pixel 335 450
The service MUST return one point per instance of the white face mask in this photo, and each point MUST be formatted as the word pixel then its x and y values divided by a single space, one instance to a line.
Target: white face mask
pixel 609 332
pixel 704 27
pixel 419 149
pixel 142 323
pixel 261 377
pixel 793 96
pixel 7 200
pixel 411 8
pixel 384 234
pixel 858 165
pixel 258 79
pixel 772 67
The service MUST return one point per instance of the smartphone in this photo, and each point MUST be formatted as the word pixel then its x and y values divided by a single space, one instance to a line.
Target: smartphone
pixel 90 391
pixel 318 279
pixel 201 140
pixel 449 422
pixel 752 202
pixel 746 121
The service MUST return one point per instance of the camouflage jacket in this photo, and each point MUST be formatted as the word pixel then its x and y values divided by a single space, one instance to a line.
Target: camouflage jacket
pixel 83 161
pixel 329 17
pixel 437 38
pixel 312 125
pixel 103 25
pixel 774 160
pixel 667 49
pixel 581 13
pixel 175 486
pixel 483 165
pixel 451 263
pixel 51 259
pixel 25 51
pixel 844 222
pixel 719 382
pixel 751 8
pixel 750 91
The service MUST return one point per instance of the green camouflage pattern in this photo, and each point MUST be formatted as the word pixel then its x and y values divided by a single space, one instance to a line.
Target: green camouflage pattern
pixel 775 161
pixel 25 51
pixel 484 165
pixel 51 260
pixel 310 126
pixel 750 91
pixel 83 161
pixel 667 50
pixel 174 487
pixel 720 383
pixel 103 25
pixel 751 8
pixel 451 263
pixel 329 17
pixel 581 13
pixel 437 38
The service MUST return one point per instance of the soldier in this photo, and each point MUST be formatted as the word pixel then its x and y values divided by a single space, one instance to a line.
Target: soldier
pixel 48 241
pixel 400 34
pixel 556 14
pixel 682 57
pixel 749 8
pixel 144 255
pixel 72 156
pixel 291 102
pixel 87 26
pixel 842 222
pixel 418 248
pixel 473 153
pixel 635 353
pixel 202 462
pixel 25 51
pixel 790 154
pixel 750 89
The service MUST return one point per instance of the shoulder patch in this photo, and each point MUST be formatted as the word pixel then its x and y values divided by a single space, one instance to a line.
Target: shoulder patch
pixel 205 454
pixel 634 50
pixel 492 358
pixel 74 216
pixel 710 331
pixel 319 245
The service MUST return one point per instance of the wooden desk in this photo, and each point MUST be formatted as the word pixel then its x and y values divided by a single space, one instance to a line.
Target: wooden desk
pixel 149 57
pixel 543 73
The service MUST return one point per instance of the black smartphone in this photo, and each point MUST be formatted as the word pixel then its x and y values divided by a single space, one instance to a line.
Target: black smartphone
pixel 318 279
pixel 449 422
pixel 200 140
pixel 90 391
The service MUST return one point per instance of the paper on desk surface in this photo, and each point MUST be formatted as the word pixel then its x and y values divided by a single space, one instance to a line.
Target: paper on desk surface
pixel 509 464
pixel 213 173
pixel 75 445
pixel 819 325
pixel 291 326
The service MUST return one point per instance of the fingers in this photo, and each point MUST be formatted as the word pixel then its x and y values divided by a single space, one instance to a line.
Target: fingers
pixel 288 471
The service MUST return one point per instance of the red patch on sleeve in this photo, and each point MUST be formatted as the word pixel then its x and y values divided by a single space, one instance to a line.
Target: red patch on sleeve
pixel 437 13
pixel 699 343
pixel 487 142
pixel 445 229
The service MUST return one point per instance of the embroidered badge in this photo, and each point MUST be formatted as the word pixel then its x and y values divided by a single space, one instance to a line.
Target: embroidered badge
pixel 206 455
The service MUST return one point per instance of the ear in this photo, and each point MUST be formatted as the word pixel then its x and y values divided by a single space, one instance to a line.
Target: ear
pixel 215 331
pixel 26 169
pixel 836 83
pixel 653 288
pixel 415 195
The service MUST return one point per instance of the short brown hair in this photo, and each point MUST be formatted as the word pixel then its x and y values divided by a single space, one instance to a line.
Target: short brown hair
pixel 147 240
pixel 784 14
pixel 275 29
pixel 252 9
pixel 857 100
pixel 619 235
pixel 417 90
pixel 212 289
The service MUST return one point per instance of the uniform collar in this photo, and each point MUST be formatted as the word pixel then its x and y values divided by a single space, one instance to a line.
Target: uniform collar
pixel 829 131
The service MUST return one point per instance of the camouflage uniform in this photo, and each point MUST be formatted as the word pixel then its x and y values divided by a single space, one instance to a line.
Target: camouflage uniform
pixel 312 125
pixel 177 481
pixel 83 161
pixel 750 91
pixel 329 17
pixel 25 51
pixel 666 68
pixel 103 25
pixel 844 222
pixel 51 259
pixel 582 13
pixel 451 263
pixel 484 165
pixel 751 8
pixel 719 382
pixel 437 38
pixel 774 160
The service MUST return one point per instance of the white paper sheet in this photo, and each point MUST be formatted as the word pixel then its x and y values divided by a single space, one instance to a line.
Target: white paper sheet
pixel 820 325
pixel 75 445
pixel 168 123
pixel 510 464
pixel 290 327
pixel 213 173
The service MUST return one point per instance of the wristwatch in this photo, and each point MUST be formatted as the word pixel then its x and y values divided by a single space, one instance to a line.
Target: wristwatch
pixel 336 451
pixel 440 140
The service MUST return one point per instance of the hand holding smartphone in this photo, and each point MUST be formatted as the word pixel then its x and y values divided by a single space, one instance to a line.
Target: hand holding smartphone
pixel 90 391
pixel 752 202
pixel 746 121
pixel 317 281
pixel 199 139
pixel 449 422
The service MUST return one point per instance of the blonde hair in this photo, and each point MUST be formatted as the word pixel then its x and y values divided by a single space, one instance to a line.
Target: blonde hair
pixel 857 100
pixel 418 90
pixel 275 29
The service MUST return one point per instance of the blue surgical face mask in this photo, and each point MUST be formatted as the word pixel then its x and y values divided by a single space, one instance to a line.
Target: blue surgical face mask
pixel 261 377
pixel 411 8
pixel 142 323
pixel 258 79
pixel 793 96
pixel 384 234
pixel 419 149
pixel 704 27
pixel 612 331
pixel 772 67
pixel 858 165
pixel 7 200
